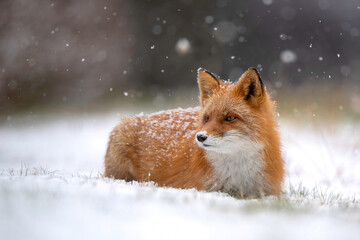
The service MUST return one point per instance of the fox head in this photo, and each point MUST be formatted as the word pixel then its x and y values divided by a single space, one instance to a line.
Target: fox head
pixel 233 116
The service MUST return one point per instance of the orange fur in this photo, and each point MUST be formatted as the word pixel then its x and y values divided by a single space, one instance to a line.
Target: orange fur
pixel 161 147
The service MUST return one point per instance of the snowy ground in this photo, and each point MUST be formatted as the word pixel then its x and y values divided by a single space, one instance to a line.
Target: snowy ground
pixel 51 188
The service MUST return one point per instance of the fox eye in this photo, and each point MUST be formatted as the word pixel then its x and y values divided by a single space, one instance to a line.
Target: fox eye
pixel 229 118
pixel 206 119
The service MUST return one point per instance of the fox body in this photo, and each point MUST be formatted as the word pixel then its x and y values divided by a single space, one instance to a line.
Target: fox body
pixel 229 144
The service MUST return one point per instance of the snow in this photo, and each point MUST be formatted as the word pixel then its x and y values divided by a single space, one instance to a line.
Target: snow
pixel 183 46
pixel 53 206
pixel 288 56
pixel 283 36
pixel 51 188
pixel 324 156
pixel 209 19
pixel 267 2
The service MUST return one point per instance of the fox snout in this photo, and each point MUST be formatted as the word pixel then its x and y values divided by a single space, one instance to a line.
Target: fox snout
pixel 201 136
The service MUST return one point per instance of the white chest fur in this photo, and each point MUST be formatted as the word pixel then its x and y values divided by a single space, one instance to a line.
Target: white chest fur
pixel 239 173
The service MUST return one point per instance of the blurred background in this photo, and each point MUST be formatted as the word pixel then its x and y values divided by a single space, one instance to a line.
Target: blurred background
pixel 94 55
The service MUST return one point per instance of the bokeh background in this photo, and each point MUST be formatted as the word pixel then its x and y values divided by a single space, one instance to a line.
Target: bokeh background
pixel 79 55
pixel 71 69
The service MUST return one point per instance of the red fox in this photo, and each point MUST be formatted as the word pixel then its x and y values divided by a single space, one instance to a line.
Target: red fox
pixel 229 144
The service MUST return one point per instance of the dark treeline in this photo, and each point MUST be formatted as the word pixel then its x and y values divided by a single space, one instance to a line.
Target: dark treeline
pixel 82 51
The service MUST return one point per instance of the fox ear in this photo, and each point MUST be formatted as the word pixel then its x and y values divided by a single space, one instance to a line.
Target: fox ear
pixel 250 87
pixel 207 84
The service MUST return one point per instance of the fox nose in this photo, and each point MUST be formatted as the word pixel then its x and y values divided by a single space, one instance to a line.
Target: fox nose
pixel 201 137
